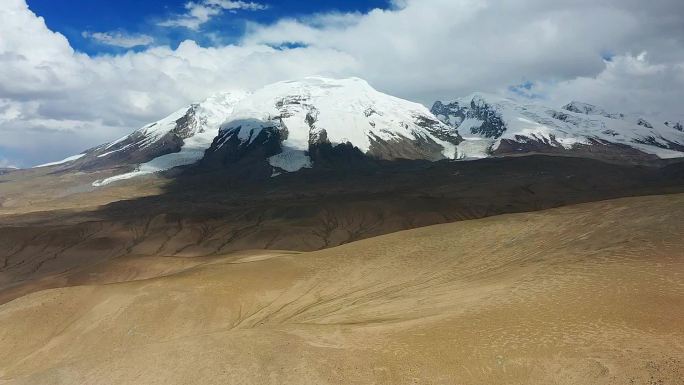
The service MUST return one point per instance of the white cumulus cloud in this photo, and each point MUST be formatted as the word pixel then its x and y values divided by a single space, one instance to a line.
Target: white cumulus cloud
pixel 119 39
pixel 628 83
pixel 199 13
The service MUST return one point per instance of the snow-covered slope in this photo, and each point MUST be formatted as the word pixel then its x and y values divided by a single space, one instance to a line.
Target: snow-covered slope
pixel 189 132
pixel 72 158
pixel 493 125
pixel 179 139
pixel 298 117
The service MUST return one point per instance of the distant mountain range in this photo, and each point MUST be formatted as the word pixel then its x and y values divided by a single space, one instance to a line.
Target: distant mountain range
pixel 492 125
pixel 313 122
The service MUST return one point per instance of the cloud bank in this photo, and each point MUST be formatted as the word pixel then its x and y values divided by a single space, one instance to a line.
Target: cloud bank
pixel 55 101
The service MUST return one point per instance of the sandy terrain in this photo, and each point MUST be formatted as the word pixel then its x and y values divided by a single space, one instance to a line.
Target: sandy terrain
pixel 55 231
pixel 586 294
pixel 43 189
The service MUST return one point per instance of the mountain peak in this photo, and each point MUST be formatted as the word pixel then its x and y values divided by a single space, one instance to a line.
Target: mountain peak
pixel 590 109
pixel 301 115
pixel 284 127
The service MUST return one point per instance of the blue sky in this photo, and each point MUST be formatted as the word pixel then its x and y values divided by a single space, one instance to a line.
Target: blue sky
pixel 73 17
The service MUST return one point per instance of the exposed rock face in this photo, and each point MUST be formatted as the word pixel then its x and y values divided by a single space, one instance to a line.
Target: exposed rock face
pixel 259 144
pixel 246 157
pixel 644 123
pixel 339 157
pixel 590 109
pixel 440 131
pixel 419 148
pixel 131 151
pixel 676 125
pixel 596 149
pixel 661 143
pixel 492 124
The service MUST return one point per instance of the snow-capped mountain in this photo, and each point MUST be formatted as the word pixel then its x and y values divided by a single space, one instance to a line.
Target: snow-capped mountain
pixel 291 125
pixel 492 125
pixel 287 126
pixel 296 124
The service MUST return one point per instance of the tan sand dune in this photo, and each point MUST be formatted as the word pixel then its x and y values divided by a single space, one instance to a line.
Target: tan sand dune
pixel 587 294
pixel 56 231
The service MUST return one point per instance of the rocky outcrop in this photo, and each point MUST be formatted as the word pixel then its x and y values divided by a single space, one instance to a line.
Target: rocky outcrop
pixel 590 109
pixel 403 148
pixel 676 125
pixel 491 124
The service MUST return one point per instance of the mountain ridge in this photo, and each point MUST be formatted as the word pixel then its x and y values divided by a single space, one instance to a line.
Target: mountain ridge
pixel 493 125
pixel 291 125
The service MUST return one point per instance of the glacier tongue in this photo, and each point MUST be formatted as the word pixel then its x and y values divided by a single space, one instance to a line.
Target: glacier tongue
pixel 290 160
